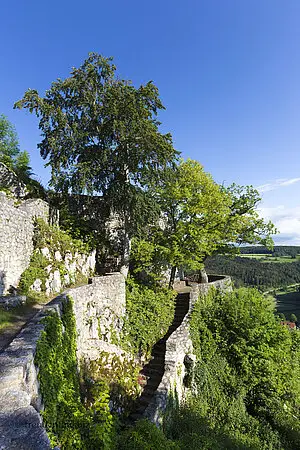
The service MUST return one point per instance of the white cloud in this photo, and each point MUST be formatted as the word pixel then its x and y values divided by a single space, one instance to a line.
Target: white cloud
pixel 286 220
pixel 276 184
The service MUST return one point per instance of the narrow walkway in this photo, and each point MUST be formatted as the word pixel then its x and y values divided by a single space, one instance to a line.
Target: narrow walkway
pixel 154 370
pixel 23 315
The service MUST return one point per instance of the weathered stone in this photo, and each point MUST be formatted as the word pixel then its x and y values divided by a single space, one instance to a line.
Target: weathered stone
pixel 19 387
pixel 10 181
pixel 23 430
pixel 57 256
pixel 37 285
pixel 11 301
pixel 16 233
pixel 12 400
pixel 179 349
pixel 46 252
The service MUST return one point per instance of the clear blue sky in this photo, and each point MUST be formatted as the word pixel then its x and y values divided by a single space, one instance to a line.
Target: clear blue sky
pixel 228 72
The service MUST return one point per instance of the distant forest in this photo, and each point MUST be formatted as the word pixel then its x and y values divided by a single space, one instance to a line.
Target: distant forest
pixel 253 272
pixel 281 250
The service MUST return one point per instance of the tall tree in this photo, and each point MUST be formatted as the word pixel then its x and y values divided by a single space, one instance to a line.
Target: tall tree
pixel 101 135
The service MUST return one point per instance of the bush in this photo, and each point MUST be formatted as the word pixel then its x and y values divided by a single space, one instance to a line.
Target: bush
pixel 68 423
pixel 145 436
pixel 149 314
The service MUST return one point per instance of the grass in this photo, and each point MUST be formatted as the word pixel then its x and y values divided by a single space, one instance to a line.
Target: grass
pixel 267 258
pixel 255 255
pixel 6 318
pixel 10 318
pixel 288 301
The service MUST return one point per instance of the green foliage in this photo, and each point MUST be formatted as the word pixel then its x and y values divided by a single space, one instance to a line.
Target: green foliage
pixel 55 239
pixel 100 134
pixel 145 436
pixel 293 318
pixel 14 159
pixel 149 313
pixel 247 372
pixel 6 318
pixel 9 145
pixel 281 316
pixel 69 424
pixel 121 374
pixel 200 218
pixel 36 270
pixel 252 272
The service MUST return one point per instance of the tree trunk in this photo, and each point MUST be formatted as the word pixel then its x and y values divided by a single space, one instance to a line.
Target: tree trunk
pixel 203 278
pixel 126 255
pixel 172 277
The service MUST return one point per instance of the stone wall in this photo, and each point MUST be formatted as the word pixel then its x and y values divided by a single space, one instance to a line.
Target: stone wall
pixel 16 233
pixel 99 310
pixel 20 422
pixel 10 181
pixel 179 352
pixel 220 282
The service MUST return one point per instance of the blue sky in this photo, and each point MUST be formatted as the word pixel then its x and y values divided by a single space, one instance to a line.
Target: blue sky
pixel 228 72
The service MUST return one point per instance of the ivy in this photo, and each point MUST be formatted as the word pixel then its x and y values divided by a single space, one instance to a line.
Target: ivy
pixel 68 422
pixel 149 313
pixel 36 270
pixel 121 374
pixel 54 239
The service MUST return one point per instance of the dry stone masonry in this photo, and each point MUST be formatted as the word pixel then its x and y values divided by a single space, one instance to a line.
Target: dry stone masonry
pixel 20 422
pixel 16 233
pixel 179 355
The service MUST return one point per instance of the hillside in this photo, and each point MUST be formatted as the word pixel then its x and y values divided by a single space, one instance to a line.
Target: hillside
pixel 256 266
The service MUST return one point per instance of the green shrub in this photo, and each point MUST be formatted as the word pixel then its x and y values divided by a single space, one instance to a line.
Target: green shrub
pixel 56 239
pixel 120 374
pixel 68 423
pixel 36 270
pixel 145 436
pixel 149 313
pixel 246 392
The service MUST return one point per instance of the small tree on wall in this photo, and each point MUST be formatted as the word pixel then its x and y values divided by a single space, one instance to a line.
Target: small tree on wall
pixel 200 218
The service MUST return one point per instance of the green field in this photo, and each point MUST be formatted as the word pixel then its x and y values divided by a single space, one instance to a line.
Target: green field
pixel 267 258
pixel 255 255
pixel 288 302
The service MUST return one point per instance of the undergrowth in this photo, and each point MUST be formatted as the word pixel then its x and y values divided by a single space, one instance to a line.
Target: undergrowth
pixel 68 422
pixel 149 313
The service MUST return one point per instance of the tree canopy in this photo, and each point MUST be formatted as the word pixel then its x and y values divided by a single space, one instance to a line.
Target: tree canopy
pixel 200 218
pixel 100 134
pixel 10 153
pixel 16 160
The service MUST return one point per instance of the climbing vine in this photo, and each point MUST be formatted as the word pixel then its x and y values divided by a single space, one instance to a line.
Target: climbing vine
pixel 54 240
pixel 69 423
pixel 121 374
pixel 149 313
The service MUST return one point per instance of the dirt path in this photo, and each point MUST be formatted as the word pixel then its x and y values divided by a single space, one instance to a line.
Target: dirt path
pixel 23 315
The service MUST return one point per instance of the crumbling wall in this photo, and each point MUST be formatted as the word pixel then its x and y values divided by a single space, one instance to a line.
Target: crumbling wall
pixel 16 234
pixel 20 402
